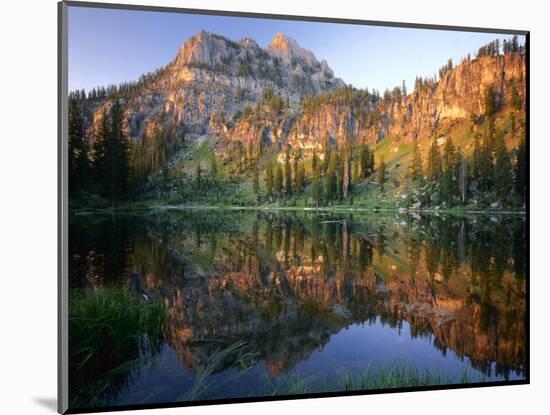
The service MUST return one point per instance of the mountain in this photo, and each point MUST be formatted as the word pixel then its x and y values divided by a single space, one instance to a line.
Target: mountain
pixel 213 79
pixel 251 103
pixel 213 76
pixel 458 94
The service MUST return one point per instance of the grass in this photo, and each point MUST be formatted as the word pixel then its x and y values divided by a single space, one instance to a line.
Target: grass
pixel 389 376
pixel 396 375
pixel 235 354
pixel 109 328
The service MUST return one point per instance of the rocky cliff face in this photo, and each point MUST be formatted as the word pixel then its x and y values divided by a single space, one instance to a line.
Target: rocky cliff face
pixel 460 93
pixel 216 86
pixel 213 78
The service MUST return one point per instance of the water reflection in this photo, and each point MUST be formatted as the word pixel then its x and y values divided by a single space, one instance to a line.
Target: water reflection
pixel 289 283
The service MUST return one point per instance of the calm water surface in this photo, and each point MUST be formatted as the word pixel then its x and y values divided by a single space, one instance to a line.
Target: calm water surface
pixel 310 297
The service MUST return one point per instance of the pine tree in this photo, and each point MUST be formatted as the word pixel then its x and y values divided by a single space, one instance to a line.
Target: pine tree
pixel 366 161
pixel 100 155
pixel 82 168
pixel 111 165
pixel 213 167
pixel 198 174
pixel 326 152
pixel 491 129
pixel 490 102
pixel 515 99
pixel 158 152
pixel 295 168
pixel 78 149
pixel 382 174
pixel 256 180
pixel 415 167
pixel 331 180
pixel 521 172
pixel 300 178
pixel 449 188
pixel 486 165
pixel 339 177
pixel 314 161
pixel 165 177
pixel 316 187
pixel 339 180
pixel 475 159
pixel 269 180
pixel 139 162
pixel 462 168
pixel 503 179
pixel 346 172
pixel 278 180
pixel 371 162
pixel 288 174
pixel 356 170
pixel 434 163
pixel 515 45
pixel 118 154
pixel 512 125
pixel 240 156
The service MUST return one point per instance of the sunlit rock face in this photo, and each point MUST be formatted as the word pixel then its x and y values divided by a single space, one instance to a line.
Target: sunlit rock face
pixel 213 81
pixel 213 77
pixel 458 94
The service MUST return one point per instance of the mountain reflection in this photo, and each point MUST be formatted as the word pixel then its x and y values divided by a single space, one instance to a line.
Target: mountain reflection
pixel 287 282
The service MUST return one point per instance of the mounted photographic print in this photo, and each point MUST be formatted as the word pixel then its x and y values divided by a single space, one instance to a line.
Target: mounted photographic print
pixel 257 207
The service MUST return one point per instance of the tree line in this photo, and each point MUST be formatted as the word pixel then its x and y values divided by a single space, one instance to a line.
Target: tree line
pixel 102 168
pixel 488 174
pixel 122 90
pixel 106 163
pixel 332 172
pixel 493 48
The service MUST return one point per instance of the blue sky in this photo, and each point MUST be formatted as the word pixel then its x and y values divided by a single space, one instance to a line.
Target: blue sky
pixel 112 46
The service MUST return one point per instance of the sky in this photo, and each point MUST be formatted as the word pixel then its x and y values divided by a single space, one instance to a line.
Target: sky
pixel 109 46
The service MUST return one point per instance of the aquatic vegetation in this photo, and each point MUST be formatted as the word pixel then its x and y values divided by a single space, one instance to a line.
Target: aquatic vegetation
pixel 109 329
pixel 237 354
pixel 393 375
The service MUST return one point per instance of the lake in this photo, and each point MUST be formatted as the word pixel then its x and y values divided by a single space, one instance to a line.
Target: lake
pixel 259 303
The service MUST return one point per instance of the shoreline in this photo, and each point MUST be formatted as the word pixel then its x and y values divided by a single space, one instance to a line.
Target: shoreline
pixel 333 209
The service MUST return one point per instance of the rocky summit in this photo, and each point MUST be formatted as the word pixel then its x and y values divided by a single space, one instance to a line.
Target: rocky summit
pixel 214 78
pixel 213 81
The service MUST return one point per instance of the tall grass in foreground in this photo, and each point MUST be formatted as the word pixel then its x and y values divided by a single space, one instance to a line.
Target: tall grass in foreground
pixel 388 376
pixel 395 375
pixel 109 328
pixel 236 355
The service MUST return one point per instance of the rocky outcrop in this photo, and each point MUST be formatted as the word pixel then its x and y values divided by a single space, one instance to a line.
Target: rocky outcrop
pixel 224 88
pixel 213 77
pixel 460 93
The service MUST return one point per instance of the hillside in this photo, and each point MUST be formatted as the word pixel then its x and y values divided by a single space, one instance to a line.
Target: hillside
pixel 225 109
